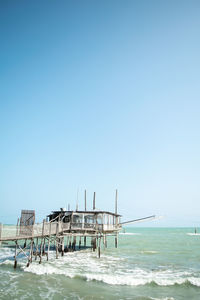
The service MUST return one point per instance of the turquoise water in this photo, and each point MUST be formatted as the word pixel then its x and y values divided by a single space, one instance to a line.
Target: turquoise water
pixel 150 263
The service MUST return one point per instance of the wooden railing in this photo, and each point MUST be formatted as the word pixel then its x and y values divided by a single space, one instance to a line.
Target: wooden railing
pixel 49 228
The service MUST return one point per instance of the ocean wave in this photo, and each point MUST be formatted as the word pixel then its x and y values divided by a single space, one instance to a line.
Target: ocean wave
pixel 136 277
pixel 192 233
pixel 130 281
pixel 149 252
pixel 110 269
pixel 165 298
pixel 7 262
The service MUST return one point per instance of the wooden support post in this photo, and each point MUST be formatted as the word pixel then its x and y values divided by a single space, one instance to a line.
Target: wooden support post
pixel 91 242
pixel 36 249
pixel 15 263
pixel 94 197
pixel 44 247
pixel 49 241
pixel 17 228
pixel 116 241
pixel 80 242
pixel 99 246
pixel 74 244
pixel 56 249
pixel 32 245
pixel 57 232
pixel 67 244
pixel 106 241
pixel 94 243
pixel 30 253
pixel 70 242
pixel 63 246
pixel 85 242
pixel 41 243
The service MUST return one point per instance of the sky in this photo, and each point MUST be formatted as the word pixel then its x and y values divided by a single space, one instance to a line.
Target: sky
pixel 100 95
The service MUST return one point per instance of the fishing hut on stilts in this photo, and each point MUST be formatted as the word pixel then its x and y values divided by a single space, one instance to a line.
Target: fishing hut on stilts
pixel 64 231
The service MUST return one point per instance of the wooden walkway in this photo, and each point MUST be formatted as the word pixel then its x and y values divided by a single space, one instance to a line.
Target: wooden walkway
pixel 36 240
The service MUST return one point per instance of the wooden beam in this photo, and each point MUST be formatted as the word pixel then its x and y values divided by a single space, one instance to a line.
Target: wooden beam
pixel 94 201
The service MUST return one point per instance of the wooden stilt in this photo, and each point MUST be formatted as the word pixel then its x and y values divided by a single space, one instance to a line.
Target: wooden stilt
pixel 17 229
pixel 74 244
pixel 32 244
pixel 30 254
pixel 116 241
pixel 106 241
pixel 56 249
pixel 63 240
pixel 67 243
pixel 80 242
pixel 41 243
pixel 99 247
pixel 36 249
pixel 94 243
pixel 15 263
pixel 48 248
pixel 57 232
pixel 70 242
pixel 49 241
pixel 44 247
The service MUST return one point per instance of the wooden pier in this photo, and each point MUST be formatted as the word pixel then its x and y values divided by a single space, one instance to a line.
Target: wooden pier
pixel 64 231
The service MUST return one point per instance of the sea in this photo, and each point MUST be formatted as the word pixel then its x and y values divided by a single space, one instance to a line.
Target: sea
pixel 149 264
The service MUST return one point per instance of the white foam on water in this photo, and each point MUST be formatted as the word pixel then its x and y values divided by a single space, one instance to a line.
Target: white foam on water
pixel 149 252
pixel 109 270
pixel 129 233
pixel 194 281
pixel 6 252
pixel 7 262
pixel 165 298
pixel 193 234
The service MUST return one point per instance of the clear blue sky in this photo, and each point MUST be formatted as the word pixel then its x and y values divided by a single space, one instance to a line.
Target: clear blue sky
pixel 100 95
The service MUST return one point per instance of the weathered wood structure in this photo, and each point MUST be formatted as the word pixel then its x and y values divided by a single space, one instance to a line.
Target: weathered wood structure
pixel 63 230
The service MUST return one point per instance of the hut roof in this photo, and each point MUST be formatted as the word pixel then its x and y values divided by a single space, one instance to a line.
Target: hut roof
pixel 95 212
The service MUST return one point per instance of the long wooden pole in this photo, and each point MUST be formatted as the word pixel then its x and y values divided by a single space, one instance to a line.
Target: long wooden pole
pixel 15 263
pixel 49 241
pixel 36 249
pixel 41 243
pixel 57 231
pixel 94 201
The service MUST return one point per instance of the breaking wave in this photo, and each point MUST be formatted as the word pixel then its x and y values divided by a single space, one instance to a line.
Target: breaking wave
pixel 90 268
